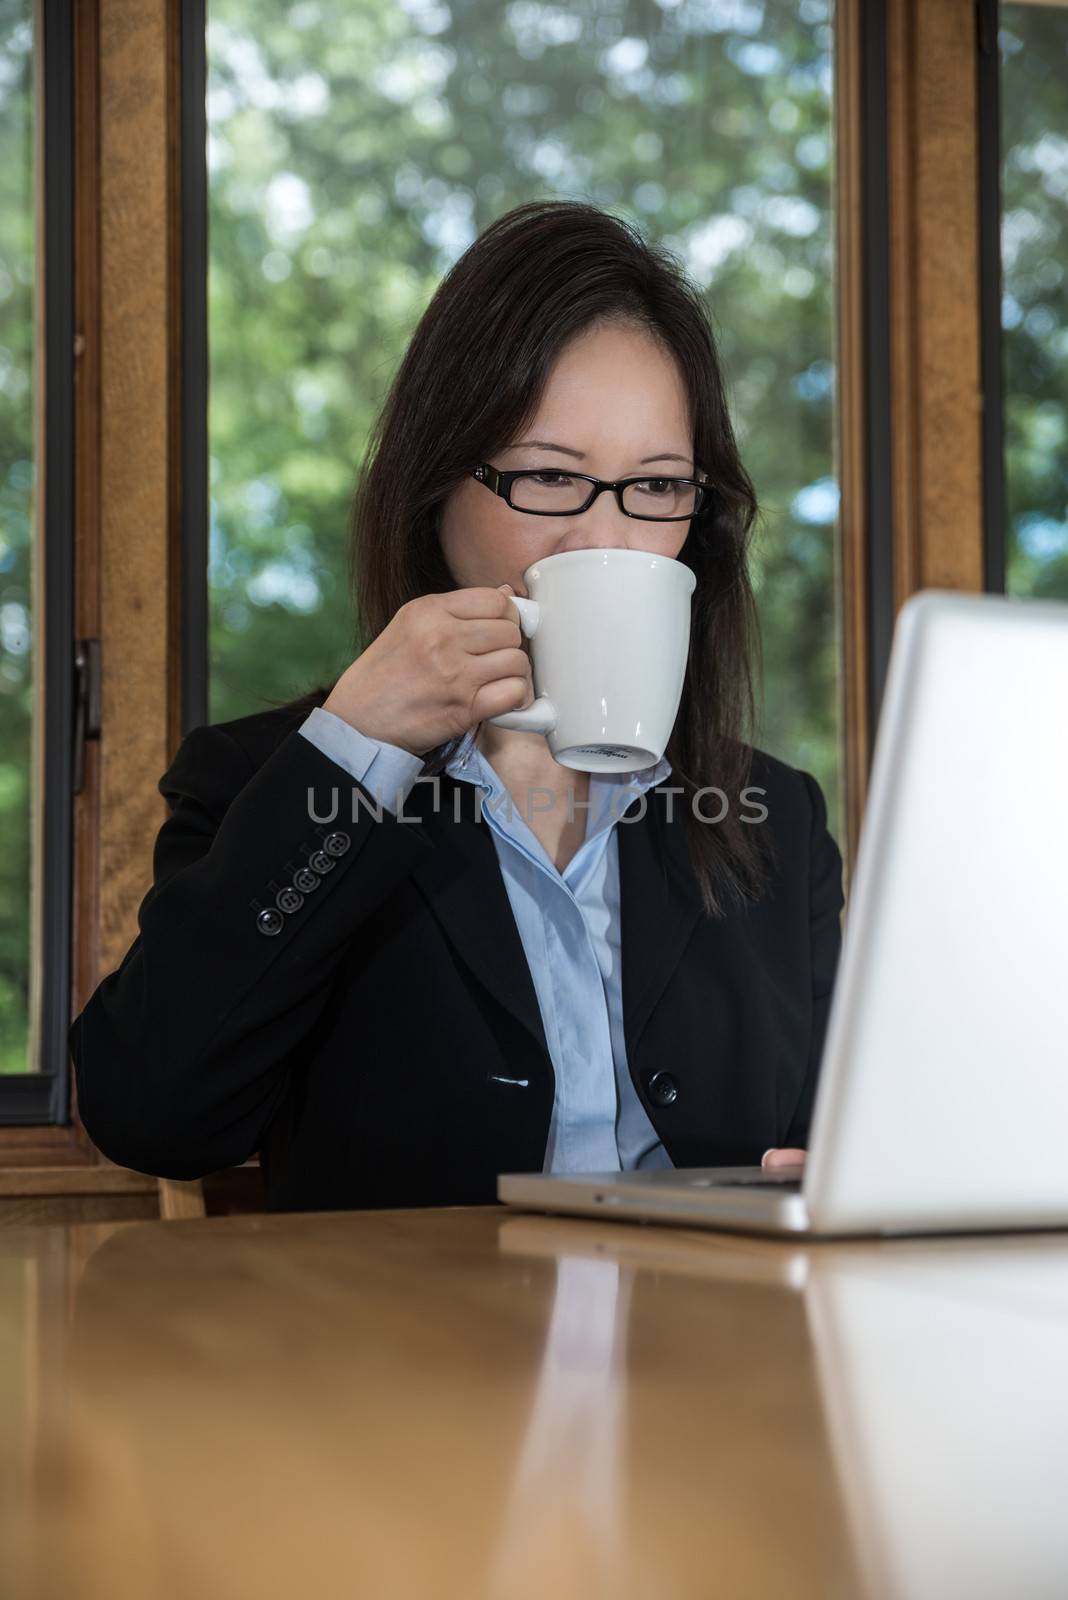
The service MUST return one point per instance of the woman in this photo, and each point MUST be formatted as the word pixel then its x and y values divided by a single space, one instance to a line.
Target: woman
pixel 395 989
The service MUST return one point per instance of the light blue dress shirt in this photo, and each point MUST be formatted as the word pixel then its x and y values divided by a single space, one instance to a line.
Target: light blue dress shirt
pixel 569 925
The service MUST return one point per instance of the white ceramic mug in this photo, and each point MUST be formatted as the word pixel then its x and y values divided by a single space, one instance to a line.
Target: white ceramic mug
pixel 610 636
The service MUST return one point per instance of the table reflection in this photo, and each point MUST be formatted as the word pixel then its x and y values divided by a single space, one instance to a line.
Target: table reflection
pixel 708 1397
pixel 945 1382
pixel 561 1530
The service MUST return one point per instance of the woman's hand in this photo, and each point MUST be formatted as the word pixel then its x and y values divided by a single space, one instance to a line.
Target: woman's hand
pixel 784 1157
pixel 442 664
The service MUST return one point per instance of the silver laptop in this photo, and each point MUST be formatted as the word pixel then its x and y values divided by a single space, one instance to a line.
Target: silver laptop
pixel 942 1104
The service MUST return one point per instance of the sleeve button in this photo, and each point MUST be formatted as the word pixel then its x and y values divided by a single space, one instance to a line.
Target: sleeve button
pixel 305 881
pixel 320 862
pixel 335 844
pixel 270 921
pixel 289 899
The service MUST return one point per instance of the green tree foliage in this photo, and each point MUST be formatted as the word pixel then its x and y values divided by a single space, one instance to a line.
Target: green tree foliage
pixel 1034 250
pixel 357 148
pixel 16 520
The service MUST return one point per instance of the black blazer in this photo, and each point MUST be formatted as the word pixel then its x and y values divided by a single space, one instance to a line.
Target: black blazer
pixel 361 1047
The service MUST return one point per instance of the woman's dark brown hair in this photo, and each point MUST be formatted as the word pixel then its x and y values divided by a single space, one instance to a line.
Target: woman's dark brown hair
pixel 472 379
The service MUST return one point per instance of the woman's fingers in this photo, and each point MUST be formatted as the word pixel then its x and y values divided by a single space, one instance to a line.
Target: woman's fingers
pixel 784 1157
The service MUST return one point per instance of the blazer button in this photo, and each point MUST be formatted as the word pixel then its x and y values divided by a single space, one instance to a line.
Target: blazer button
pixel 663 1089
pixel 270 921
pixel 289 899
pixel 335 844
pixel 320 862
pixel 305 881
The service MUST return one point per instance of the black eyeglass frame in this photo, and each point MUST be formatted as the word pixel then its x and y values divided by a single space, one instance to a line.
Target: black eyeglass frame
pixel 501 483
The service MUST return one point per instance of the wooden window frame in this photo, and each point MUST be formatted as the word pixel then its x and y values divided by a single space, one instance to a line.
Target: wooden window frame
pixel 130 579
pixel 914 466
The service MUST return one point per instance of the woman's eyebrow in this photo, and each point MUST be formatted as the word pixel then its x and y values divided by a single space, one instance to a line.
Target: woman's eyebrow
pixel 580 455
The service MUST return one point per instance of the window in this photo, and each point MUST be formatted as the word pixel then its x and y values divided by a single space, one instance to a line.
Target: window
pixel 36 645
pixel 1033 48
pixel 17 510
pixel 354 153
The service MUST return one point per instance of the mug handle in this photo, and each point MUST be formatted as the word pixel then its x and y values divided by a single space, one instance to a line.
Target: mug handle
pixel 540 715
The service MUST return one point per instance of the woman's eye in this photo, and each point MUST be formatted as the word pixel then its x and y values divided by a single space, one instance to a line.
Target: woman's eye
pixel 651 483
pixel 552 477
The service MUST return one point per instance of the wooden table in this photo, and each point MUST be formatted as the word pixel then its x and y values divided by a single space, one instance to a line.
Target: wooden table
pixel 477 1403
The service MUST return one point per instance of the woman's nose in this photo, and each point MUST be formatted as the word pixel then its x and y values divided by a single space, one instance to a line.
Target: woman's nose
pixel 602 527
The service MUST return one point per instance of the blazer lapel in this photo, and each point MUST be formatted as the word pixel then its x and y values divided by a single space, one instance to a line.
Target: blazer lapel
pixel 462 883
pixel 659 908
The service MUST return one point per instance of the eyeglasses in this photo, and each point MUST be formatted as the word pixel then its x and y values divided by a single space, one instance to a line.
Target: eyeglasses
pixel 548 493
